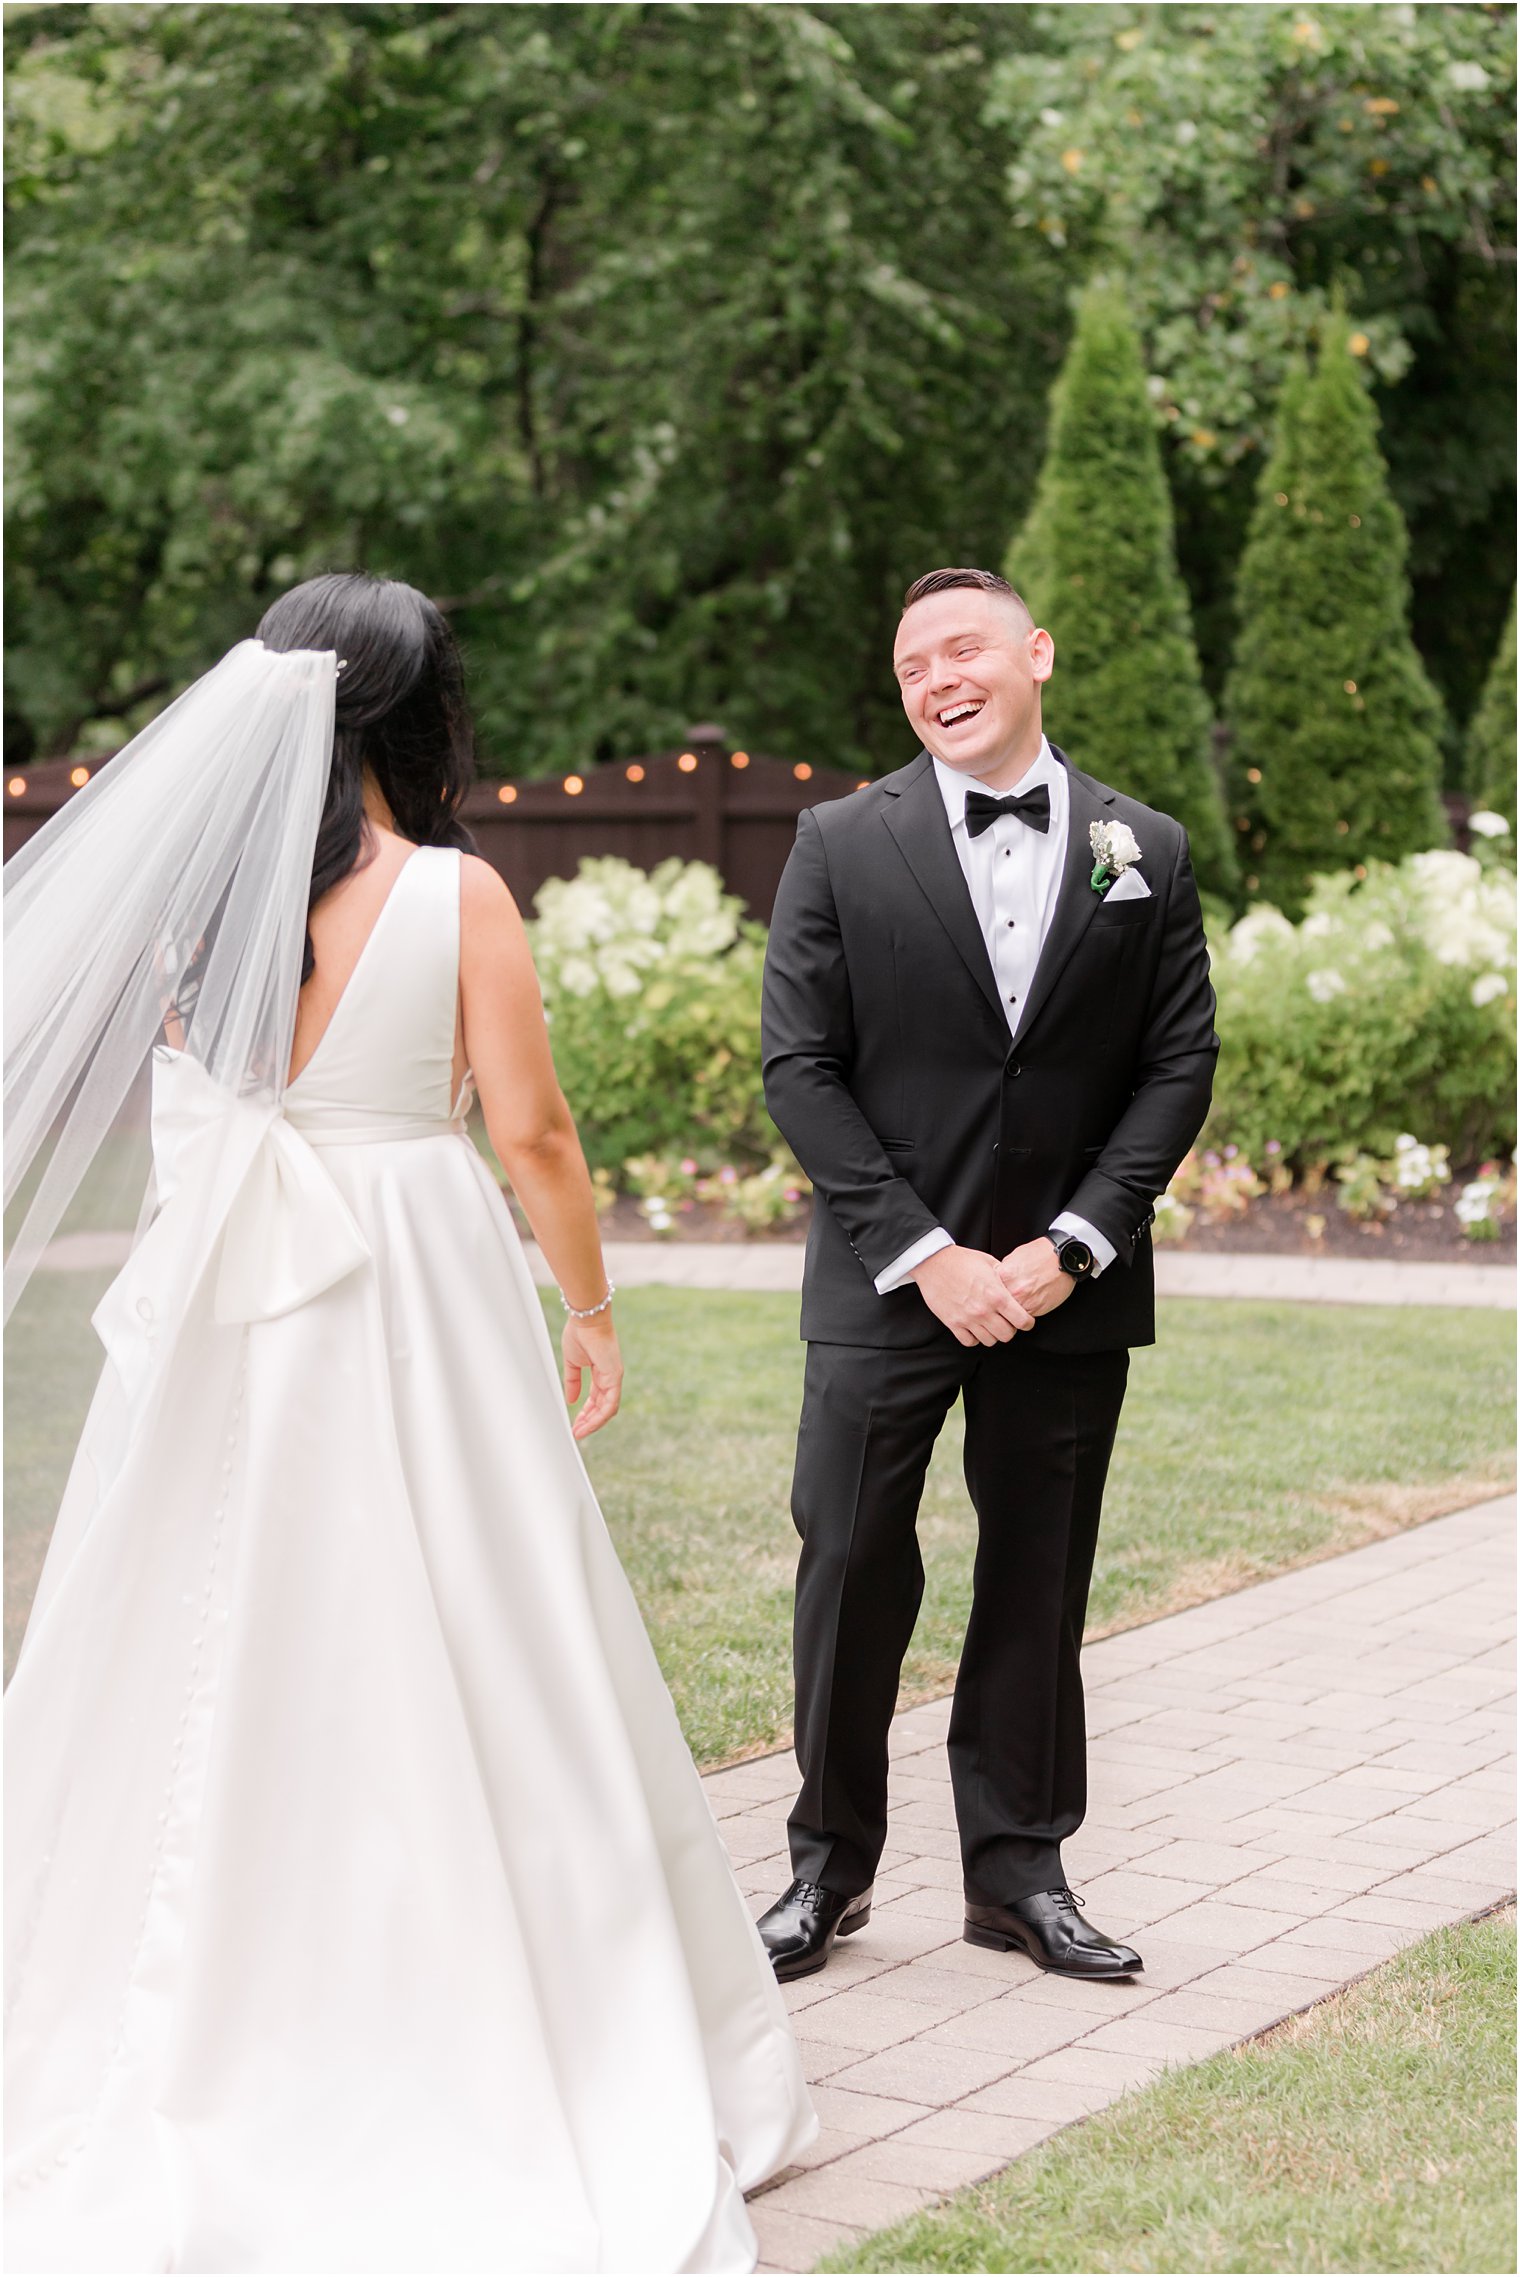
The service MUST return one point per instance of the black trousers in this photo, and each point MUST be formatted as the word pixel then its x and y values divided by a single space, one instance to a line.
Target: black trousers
pixel 1039 1432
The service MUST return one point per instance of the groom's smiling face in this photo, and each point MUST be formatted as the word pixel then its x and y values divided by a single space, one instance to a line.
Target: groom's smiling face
pixel 970 666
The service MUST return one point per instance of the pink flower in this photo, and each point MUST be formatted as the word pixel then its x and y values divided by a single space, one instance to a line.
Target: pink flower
pixel 1230 1153
pixel 728 1176
pixel 1211 1159
pixel 688 1168
pixel 1273 1147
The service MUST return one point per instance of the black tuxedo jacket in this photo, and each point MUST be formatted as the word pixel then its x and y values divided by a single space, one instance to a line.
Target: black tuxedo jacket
pixel 890 1071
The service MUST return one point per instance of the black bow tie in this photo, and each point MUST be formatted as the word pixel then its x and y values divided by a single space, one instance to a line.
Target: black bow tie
pixel 1033 808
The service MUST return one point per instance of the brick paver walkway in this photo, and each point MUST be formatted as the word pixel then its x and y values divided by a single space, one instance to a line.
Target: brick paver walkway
pixel 1287 1785
pixel 777 1265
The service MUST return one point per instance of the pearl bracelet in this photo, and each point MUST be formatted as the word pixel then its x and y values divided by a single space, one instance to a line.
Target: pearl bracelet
pixel 587 1312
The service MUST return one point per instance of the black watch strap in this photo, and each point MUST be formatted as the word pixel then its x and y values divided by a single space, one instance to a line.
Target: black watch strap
pixel 1073 1254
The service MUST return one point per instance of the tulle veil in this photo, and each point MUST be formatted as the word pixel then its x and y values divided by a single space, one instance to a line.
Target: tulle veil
pixel 153 935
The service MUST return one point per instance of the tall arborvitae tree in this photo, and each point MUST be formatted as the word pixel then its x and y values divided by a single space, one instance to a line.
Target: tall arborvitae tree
pixel 1491 737
pixel 1097 563
pixel 1335 755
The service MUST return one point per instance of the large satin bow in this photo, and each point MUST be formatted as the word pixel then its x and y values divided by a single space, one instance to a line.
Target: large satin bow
pixel 234 1175
pixel 289 1233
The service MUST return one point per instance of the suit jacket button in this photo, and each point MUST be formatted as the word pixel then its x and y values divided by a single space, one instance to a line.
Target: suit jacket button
pixel 1013 1069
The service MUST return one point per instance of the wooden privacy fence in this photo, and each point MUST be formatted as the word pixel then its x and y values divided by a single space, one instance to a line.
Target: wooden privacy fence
pixel 704 802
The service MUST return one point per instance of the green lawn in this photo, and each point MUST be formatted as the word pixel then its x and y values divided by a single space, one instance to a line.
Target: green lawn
pixel 1255 1436
pixel 1374 2133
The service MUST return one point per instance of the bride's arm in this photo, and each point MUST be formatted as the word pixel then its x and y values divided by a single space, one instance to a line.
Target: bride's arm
pixel 507 1045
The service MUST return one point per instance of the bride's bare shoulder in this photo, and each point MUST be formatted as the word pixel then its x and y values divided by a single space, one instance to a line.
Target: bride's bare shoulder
pixel 489 919
pixel 483 892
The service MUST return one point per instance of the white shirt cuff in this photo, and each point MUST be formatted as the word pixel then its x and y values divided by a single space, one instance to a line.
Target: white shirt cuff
pixel 899 1269
pixel 1102 1248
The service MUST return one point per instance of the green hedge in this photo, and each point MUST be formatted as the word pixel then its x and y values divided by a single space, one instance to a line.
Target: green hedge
pixel 1389 1009
pixel 652 988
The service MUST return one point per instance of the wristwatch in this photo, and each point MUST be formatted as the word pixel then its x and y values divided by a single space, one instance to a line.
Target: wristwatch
pixel 1073 1255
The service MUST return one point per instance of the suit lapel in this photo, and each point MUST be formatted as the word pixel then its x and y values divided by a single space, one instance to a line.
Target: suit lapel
pixel 1075 899
pixel 915 815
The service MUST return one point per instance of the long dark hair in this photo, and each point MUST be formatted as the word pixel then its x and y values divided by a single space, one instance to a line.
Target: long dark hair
pixel 401 712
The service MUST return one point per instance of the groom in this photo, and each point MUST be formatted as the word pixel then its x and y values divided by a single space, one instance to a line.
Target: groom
pixel 988 1033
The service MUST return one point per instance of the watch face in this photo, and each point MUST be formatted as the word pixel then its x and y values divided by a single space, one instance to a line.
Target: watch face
pixel 1076 1257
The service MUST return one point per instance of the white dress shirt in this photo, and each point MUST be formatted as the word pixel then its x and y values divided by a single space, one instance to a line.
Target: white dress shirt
pixel 1014 877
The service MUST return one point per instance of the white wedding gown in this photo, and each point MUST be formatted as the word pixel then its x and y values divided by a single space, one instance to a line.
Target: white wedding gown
pixel 365 1910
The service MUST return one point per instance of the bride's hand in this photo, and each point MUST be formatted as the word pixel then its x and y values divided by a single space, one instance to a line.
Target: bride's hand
pixel 591 1346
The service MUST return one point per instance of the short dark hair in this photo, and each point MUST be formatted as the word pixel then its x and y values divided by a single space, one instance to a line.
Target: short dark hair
pixel 952 580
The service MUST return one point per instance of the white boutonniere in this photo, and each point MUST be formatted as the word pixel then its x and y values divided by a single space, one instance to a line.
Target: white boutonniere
pixel 1115 850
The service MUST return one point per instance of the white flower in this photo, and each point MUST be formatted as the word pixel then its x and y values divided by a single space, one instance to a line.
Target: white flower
pixel 1253 931
pixel 1377 935
pixel 1441 867
pixel 620 976
pixel 1474 1205
pixel 1416 1168
pixel 1172 1218
pixel 1488 825
pixel 610 927
pixel 1115 846
pixel 1466 914
pixel 1325 984
pixel 1315 927
pixel 577 975
pixel 1467 78
pixel 1487 987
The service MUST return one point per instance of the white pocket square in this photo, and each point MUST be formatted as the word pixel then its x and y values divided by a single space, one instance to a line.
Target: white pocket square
pixel 1128 886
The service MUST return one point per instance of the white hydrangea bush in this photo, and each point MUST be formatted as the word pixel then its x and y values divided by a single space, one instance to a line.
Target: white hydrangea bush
pixel 651 982
pixel 612 926
pixel 1389 1009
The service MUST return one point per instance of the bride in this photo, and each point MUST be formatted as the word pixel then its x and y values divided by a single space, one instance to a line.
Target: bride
pixel 364 1910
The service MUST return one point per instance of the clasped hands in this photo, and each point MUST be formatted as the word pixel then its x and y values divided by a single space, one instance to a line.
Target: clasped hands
pixel 986 1300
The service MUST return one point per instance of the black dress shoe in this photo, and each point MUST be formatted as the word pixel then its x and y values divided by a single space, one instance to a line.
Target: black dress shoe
pixel 1051 1930
pixel 800 1928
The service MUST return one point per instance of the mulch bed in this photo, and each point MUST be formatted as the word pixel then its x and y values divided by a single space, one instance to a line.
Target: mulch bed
pixel 1273 1226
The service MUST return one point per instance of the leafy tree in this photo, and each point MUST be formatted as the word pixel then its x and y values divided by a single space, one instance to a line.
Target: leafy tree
pixel 1233 163
pixel 1096 563
pixel 664 345
pixel 1491 738
pixel 1335 725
